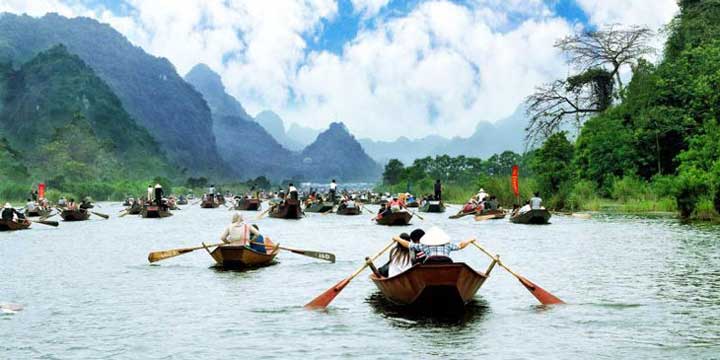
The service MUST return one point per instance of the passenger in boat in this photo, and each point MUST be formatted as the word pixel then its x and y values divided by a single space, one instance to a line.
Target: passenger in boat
pixel 71 205
pixel 257 242
pixel 525 208
pixel 238 232
pixel 536 201
pixel 492 204
pixel 436 245
pixel 481 195
pixel 62 202
pixel 400 258
pixel 418 257
pixel 150 193
pixel 9 213
pixel 292 191
pixel 30 206
pixel 438 190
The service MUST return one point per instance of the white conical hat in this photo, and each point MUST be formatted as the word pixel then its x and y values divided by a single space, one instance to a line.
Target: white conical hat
pixel 158 186
pixel 435 237
pixel 8 206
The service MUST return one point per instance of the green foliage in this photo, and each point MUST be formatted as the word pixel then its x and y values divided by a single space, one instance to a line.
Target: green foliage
pixel 11 167
pixel 553 163
pixel 393 172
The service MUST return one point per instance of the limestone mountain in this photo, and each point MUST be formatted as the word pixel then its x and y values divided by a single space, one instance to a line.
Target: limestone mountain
pixel 275 126
pixel 148 87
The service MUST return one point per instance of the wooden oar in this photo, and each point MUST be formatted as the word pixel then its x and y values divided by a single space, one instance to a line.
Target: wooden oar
pixel 310 253
pixel 415 214
pixel 263 214
pixel 166 254
pixel 366 209
pixel 100 215
pixel 45 222
pixel 484 217
pixel 324 299
pixel 541 294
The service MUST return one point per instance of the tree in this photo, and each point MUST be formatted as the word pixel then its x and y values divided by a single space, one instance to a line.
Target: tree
pixel 393 173
pixel 553 163
pixel 597 57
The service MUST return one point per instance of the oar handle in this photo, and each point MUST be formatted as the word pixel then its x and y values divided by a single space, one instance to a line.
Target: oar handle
pixel 371 259
pixel 497 259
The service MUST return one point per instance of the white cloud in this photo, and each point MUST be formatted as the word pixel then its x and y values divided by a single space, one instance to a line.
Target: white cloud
pixel 651 13
pixel 437 70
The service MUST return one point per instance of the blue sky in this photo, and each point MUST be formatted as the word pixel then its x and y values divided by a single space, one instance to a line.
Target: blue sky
pixel 386 68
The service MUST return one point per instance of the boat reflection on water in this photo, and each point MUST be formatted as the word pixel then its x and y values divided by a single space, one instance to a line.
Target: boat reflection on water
pixel 411 316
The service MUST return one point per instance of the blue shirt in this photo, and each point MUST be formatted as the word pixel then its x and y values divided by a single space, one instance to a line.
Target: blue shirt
pixel 257 247
pixel 434 250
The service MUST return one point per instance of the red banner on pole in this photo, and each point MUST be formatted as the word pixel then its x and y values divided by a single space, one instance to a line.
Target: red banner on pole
pixel 41 191
pixel 515 180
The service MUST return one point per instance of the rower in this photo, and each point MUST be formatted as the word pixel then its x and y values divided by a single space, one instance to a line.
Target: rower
pixel 150 193
pixel 238 232
pixel 62 202
pixel 536 201
pixel 481 195
pixel 292 191
pixel 30 206
pixel 438 190
pixel 211 190
pixel 9 213
pixel 333 190
pixel 435 244
pixel 71 205
pixel 158 195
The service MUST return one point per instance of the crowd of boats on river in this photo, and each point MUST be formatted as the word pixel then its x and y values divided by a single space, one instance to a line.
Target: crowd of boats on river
pixel 420 271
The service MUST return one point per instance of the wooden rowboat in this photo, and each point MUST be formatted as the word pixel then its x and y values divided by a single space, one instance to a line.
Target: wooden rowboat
pixel 532 217
pixel 398 218
pixel 37 212
pixel 248 205
pixel 433 286
pixel 209 204
pixel 344 210
pixel 289 209
pixel 433 207
pixel 320 207
pixel 13 225
pixel 242 257
pixel 182 202
pixel 413 204
pixel 75 215
pixel 134 210
pixel 154 212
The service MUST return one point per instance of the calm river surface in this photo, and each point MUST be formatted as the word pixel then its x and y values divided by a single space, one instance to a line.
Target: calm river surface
pixel 637 288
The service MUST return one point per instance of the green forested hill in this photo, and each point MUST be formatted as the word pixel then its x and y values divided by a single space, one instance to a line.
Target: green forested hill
pixel 67 125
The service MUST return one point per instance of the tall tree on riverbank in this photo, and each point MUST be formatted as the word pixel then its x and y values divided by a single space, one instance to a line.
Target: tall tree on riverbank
pixel 597 56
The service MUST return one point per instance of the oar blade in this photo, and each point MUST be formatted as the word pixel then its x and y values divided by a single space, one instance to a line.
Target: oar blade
pixel 545 297
pixel 162 255
pixel 101 215
pixel 324 299
pixel 48 222
pixel 316 254
pixel 483 217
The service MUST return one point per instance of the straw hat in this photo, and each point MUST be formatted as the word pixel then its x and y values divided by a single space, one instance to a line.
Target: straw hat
pixel 482 190
pixel 158 186
pixel 435 237
pixel 8 206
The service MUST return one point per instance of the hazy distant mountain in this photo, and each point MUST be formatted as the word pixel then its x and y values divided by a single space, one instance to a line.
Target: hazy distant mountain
pixel 150 89
pixel 275 126
pixel 488 139
pixel 210 85
pixel 301 134
pixel 336 154
pixel 256 148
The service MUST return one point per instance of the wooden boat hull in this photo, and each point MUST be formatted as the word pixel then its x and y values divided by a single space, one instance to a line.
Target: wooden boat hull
pixel 182 202
pixel 134 210
pixel 154 212
pixel 209 204
pixel 75 215
pixel 13 226
pixel 532 217
pixel 319 207
pixel 36 213
pixel 248 205
pixel 349 211
pixel 289 210
pixel 242 257
pixel 399 218
pixel 435 286
pixel 433 208
pixel 413 204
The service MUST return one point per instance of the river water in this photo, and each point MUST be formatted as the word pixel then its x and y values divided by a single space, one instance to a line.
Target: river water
pixel 636 288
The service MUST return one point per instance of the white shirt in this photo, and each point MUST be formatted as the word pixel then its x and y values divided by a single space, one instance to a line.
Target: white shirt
pixel 236 233
pixel 333 186
pixel 524 209
pixel 350 204
pixel 397 267
pixel 30 205
pixel 481 196
pixel 536 202
pixel 292 188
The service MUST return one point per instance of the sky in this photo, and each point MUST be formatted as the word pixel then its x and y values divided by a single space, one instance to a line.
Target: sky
pixel 386 68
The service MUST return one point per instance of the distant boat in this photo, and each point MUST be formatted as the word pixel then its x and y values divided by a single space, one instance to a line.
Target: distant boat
pixel 532 217
pixel 433 206
pixel 398 218
pixel 289 209
pixel 240 257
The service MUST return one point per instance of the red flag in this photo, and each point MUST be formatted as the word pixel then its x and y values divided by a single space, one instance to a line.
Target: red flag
pixel 41 191
pixel 515 180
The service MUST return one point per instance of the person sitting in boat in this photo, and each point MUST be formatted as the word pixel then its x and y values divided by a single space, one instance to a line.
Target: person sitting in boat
pixel 10 214
pixel 85 204
pixel 525 208
pixel 350 204
pixel 481 195
pixel 383 211
pixel 71 205
pixel 238 232
pixel 417 257
pixel 292 191
pixel 30 206
pixel 62 202
pixel 399 261
pixel 259 242
pixel 536 201
pixel 492 203
pixel 436 245
pixel 410 198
